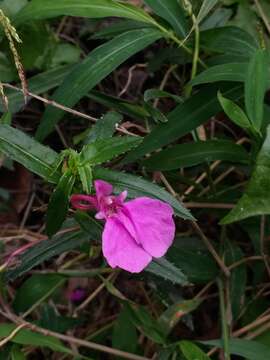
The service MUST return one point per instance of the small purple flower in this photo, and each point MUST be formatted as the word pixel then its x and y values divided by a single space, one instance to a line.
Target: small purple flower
pixel 78 295
pixel 135 231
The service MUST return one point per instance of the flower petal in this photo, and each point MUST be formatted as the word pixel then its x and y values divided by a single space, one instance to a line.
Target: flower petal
pixel 120 249
pixel 103 188
pixel 154 224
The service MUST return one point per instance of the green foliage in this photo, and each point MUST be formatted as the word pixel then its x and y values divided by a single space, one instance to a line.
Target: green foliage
pixel 255 87
pixel 192 351
pixel 44 9
pixel 36 289
pixel 248 349
pixel 59 203
pixel 255 200
pixel 27 337
pixel 191 154
pixel 193 112
pixel 36 157
pixel 234 112
pixel 99 64
pixel 171 103
pixel 171 12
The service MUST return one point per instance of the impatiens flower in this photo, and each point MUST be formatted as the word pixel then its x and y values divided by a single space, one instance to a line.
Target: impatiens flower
pixel 135 231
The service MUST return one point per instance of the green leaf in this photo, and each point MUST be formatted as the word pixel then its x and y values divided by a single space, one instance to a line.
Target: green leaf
pixel 168 55
pixel 256 199
pixel 146 323
pixel 170 317
pixel 171 11
pixel 234 112
pixel 230 40
pixel 224 72
pixel 35 289
pixel 65 54
pixel 238 278
pixel 94 68
pixel 104 127
pixel 17 354
pixel 27 337
pixel 192 351
pixel 219 17
pixel 206 7
pixel 124 106
pixel 22 148
pixel 51 320
pixel 47 249
pixel 86 177
pixel 155 113
pixel 6 118
pixel 191 256
pixel 137 186
pixel 104 150
pixel 195 153
pixel 37 84
pixel 89 225
pixel 255 87
pixel 45 9
pixel 11 8
pixel 118 28
pixel 167 270
pixel 249 349
pixel 59 203
pixel 152 94
pixel 124 336
pixel 193 112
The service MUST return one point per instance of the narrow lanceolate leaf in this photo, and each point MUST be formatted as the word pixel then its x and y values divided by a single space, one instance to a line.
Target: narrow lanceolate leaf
pixel 100 63
pixel 104 150
pixel 234 112
pixel 192 351
pixel 104 127
pixel 229 40
pixel 256 199
pixel 171 11
pixel 167 270
pixel 170 317
pixel 59 203
pixel 126 107
pixel 44 9
pixel 27 337
pixel 206 7
pixel 31 154
pixel 190 154
pixel 36 288
pixel 224 72
pixel 17 353
pixel 86 177
pixel 183 119
pixel 137 186
pixel 248 349
pixel 46 250
pixel 147 325
pixel 238 279
pixel 255 87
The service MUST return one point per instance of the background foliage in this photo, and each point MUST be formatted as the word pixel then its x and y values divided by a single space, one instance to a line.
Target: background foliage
pixel 163 98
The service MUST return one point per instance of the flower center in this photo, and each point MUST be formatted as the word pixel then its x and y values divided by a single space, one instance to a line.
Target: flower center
pixel 110 205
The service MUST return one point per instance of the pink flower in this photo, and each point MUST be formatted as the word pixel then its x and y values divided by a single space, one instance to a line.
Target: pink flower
pixel 135 231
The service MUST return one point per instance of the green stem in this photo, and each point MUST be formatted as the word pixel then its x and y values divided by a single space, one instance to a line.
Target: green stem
pixel 225 327
pixel 195 54
pixel 179 42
